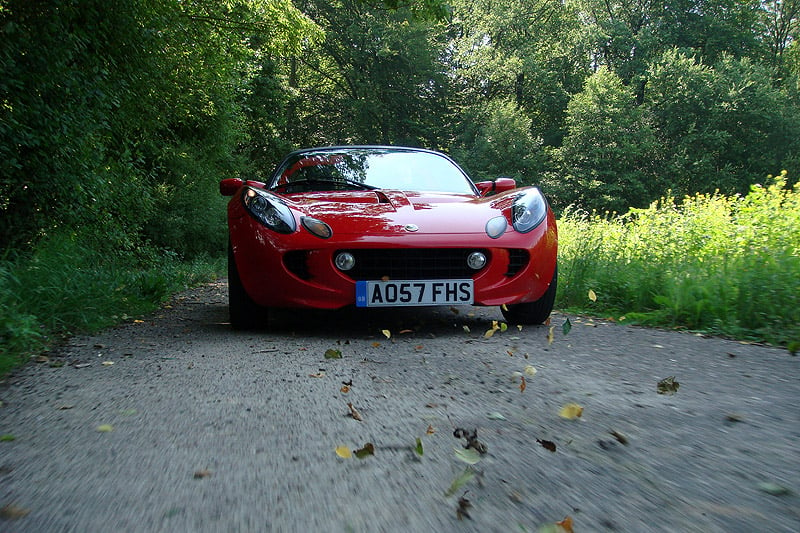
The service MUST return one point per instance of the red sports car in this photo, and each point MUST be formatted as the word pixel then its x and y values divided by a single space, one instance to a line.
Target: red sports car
pixel 377 226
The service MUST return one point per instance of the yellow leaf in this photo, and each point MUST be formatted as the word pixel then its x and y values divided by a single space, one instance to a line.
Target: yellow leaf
pixel 571 411
pixel 386 333
pixel 344 452
pixel 489 333
pixel 105 428
pixel 530 370
pixel 466 328
pixel 107 363
pixel 550 336
pixel 592 295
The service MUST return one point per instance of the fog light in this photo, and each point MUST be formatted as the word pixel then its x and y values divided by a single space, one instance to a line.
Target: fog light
pixel 344 261
pixel 476 260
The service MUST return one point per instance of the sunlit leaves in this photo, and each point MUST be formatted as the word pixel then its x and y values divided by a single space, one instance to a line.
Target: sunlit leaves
pixel 344 452
pixel 571 411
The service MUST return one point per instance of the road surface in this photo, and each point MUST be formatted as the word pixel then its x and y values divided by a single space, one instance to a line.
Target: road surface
pixel 178 423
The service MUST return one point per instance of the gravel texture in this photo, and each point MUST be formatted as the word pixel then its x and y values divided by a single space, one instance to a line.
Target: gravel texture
pixel 207 429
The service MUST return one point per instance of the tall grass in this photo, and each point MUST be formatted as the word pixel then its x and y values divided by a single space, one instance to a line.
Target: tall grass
pixel 66 286
pixel 724 265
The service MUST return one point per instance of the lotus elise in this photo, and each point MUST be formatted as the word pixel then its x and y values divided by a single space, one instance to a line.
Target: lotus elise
pixel 380 226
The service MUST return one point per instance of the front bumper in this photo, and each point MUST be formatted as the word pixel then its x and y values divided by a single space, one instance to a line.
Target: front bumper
pixel 298 270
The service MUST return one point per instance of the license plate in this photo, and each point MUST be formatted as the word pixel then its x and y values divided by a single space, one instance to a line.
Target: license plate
pixel 414 292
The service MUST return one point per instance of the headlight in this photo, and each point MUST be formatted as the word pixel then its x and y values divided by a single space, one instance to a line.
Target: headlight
pixel 528 211
pixel 269 210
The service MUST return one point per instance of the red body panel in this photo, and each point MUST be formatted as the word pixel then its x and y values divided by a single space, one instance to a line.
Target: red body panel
pixel 383 219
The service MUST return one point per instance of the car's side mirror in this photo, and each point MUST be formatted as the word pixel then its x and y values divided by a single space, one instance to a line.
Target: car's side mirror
pixel 487 188
pixel 229 186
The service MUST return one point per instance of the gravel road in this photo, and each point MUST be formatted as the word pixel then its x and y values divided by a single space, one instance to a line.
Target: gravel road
pixel 177 423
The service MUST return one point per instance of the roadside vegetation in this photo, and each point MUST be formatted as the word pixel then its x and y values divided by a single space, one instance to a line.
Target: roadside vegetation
pixel 118 118
pixel 725 265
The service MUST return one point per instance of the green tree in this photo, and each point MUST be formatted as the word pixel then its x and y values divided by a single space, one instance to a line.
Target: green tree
pixel 720 127
pixel 607 161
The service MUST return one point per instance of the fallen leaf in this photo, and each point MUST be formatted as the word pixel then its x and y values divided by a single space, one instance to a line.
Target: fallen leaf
pixel 547 445
pixel 465 477
pixel 773 488
pixel 366 451
pixel 469 455
pixel 566 524
pixel 105 428
pixel 354 413
pixel 571 411
pixel 7 437
pixel 386 333
pixel 13 512
pixel 344 452
pixel 489 333
pixel 519 327
pixel 319 374
pixel 466 328
pixel 495 416
pixel 376 344
pixel 345 389
pixel 430 430
pixel 567 326
pixel 550 336
pixel 418 448
pixel 530 371
pixel 621 438
pixel 464 506
pixel 668 386
pixel 522 384
pixel 332 353
pixel 107 363
pixel 592 295
pixel 404 331
pixel 200 474
pixel 503 326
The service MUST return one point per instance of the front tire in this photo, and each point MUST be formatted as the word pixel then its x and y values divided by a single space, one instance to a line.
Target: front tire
pixel 533 313
pixel 244 312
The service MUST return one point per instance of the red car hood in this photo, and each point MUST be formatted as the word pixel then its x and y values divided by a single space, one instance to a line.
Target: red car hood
pixel 391 212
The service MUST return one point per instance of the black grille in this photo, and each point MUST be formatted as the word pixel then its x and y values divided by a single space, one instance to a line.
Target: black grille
pixel 412 263
pixel 295 263
pixel 517 260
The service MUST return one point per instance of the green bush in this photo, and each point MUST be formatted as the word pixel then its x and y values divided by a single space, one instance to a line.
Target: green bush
pixel 71 284
pixel 723 264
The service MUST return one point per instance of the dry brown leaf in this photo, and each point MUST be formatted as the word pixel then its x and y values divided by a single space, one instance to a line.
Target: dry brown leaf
pixel 200 474
pixel 566 524
pixel 522 384
pixel 354 413
pixel 430 430
pixel 13 512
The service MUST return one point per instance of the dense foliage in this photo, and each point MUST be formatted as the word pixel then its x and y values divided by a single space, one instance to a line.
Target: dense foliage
pixel 728 265
pixel 118 117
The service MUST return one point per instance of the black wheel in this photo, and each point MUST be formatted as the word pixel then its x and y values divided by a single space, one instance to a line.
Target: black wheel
pixel 244 312
pixel 533 312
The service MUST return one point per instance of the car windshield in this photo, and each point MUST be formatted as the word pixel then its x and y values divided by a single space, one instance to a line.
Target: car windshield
pixel 371 168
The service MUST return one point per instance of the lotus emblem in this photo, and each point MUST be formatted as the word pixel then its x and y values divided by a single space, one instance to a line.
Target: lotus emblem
pixel 411 227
